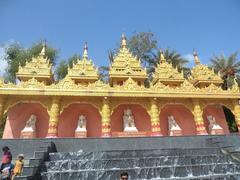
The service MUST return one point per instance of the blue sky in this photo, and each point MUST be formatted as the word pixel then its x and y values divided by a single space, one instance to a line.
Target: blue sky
pixel 210 26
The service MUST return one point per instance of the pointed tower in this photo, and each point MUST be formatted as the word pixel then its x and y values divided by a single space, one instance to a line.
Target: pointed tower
pixel 202 76
pixel 125 66
pixel 83 71
pixel 166 73
pixel 39 68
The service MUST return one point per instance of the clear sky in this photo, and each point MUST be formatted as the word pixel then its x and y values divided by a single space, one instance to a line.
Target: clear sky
pixel 210 26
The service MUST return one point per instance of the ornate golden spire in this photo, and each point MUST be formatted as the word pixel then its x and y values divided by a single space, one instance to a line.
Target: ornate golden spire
pixel 162 58
pixel 196 59
pixel 39 68
pixel 44 47
pixel 124 41
pixel 202 76
pixel 125 65
pixel 83 71
pixel 85 51
pixel 166 73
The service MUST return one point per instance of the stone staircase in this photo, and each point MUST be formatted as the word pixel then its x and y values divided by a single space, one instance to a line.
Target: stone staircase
pixel 174 163
pixel 32 166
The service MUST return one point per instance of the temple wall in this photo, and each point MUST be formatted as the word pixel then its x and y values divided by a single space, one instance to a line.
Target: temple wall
pixel 69 117
pixel 141 117
pixel 18 116
pixel 183 117
pixel 218 113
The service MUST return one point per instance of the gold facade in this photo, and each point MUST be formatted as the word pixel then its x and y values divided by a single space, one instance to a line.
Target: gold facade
pixel 82 84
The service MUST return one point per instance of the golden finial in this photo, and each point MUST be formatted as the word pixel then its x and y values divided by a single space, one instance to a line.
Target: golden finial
pixel 196 59
pixel 124 41
pixel 162 58
pixel 85 51
pixel 44 47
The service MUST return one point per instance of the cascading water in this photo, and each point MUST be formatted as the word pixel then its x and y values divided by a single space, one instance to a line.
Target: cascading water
pixel 203 163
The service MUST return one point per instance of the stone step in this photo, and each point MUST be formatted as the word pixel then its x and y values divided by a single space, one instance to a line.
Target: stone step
pixel 24 178
pixel 67 164
pixel 146 172
pixel 133 153
pixel 29 170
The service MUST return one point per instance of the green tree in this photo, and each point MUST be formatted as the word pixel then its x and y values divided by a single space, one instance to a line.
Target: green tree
pixel 228 67
pixel 62 68
pixel 143 45
pixel 17 55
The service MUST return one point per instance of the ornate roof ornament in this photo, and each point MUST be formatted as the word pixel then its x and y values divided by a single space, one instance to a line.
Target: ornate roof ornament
pixel 130 84
pixel 43 51
pixel 186 86
pixel 235 87
pixel 202 76
pixel 65 83
pixel 166 73
pixel 125 65
pixel 162 58
pixel 85 51
pixel 98 85
pixel 31 84
pixel 158 86
pixel 83 71
pixel 196 59
pixel 212 88
pixel 124 41
pixel 39 68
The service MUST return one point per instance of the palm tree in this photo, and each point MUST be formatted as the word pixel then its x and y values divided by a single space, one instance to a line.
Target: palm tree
pixel 228 67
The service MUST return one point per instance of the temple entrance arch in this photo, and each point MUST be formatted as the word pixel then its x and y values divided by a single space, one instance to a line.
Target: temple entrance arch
pixel 69 118
pixel 18 115
pixel 183 117
pixel 141 117
pixel 222 115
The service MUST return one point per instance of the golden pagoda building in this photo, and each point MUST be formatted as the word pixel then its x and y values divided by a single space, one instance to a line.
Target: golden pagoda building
pixel 82 103
pixel 83 71
pixel 202 76
pixel 38 68
pixel 166 74
pixel 126 66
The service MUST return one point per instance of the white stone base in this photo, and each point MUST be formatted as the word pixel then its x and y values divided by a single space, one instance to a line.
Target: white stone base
pixel 130 129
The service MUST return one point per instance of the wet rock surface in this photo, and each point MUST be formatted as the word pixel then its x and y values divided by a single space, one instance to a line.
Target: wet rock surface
pixel 180 163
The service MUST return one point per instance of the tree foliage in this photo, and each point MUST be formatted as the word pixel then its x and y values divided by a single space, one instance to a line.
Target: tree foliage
pixel 228 67
pixel 17 55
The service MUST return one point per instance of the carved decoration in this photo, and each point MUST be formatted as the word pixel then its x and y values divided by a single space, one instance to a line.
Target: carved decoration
pixel 31 84
pixel 160 87
pixel 66 83
pixel 202 73
pixel 130 85
pixel 83 68
pixel 212 89
pixel 186 86
pixel 126 65
pixel 38 67
pixel 165 72
pixel 98 85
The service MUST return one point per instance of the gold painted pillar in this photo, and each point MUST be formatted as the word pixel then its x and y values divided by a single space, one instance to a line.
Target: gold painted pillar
pixel 155 121
pixel 236 112
pixel 53 117
pixel 198 117
pixel 106 120
pixel 1 108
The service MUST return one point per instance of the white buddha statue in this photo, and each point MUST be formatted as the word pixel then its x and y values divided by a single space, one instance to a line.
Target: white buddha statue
pixel 172 125
pixel 30 124
pixel 82 121
pixel 212 123
pixel 128 121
